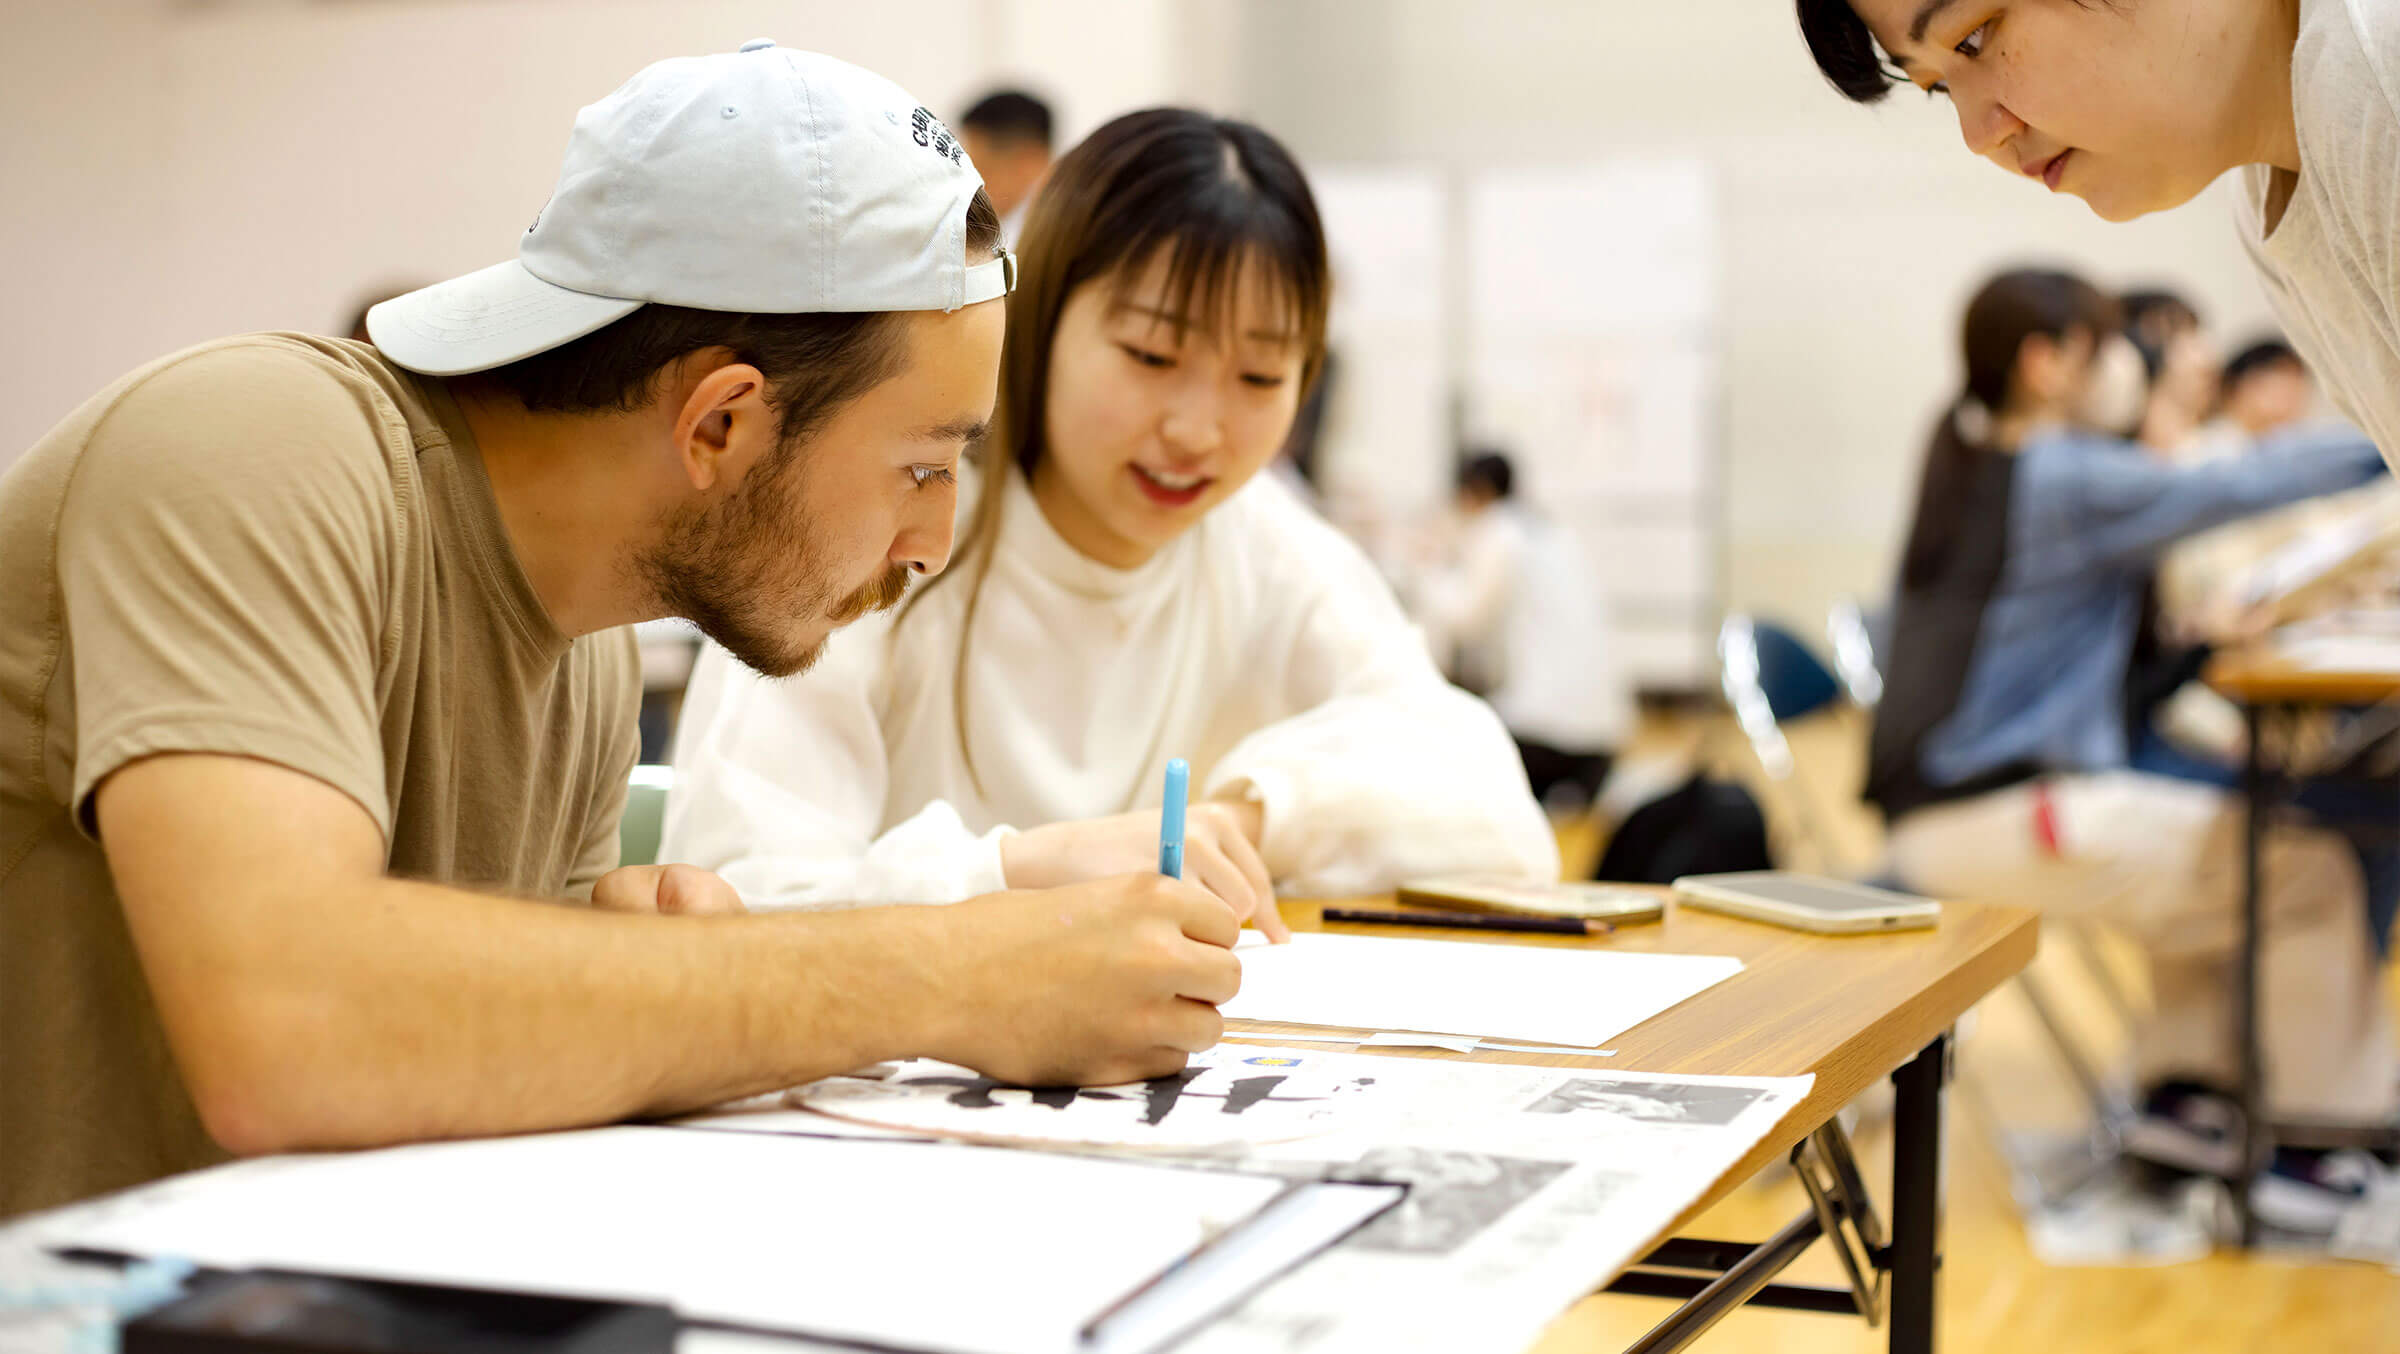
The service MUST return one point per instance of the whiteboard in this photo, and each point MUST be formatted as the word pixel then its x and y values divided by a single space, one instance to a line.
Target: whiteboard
pixel 1618 248
pixel 1593 299
pixel 1385 451
pixel 1568 314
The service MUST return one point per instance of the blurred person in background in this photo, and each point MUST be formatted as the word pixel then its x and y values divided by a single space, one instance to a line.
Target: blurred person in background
pixel 2179 380
pixel 2156 316
pixel 1515 613
pixel 2266 388
pixel 2211 587
pixel 1008 135
pixel 2181 364
pixel 316 674
pixel 1130 589
pixel 2227 586
pixel 2000 754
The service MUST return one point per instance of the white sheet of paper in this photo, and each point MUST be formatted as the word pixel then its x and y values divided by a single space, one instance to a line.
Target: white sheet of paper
pixel 785 1118
pixel 1500 1047
pixel 2316 554
pixel 936 1247
pixel 1459 1043
pixel 1292 1229
pixel 2344 653
pixel 1558 996
pixel 1453 1043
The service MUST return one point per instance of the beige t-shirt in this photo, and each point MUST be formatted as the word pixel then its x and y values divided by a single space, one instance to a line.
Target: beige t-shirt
pixel 2331 263
pixel 285 548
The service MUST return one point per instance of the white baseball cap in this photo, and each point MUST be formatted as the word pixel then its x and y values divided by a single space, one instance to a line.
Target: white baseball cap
pixel 764 180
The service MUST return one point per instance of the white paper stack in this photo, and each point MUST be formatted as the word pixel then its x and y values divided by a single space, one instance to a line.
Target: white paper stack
pixel 909 1245
pixel 1559 996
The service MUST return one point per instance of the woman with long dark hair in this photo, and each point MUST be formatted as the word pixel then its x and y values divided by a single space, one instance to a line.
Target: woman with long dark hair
pixel 1128 590
pixel 2000 751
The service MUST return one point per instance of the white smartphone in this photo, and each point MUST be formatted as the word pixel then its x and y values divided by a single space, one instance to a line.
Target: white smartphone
pixel 1807 903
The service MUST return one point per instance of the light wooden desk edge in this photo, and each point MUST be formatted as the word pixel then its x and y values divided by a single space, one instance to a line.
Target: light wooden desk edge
pixel 1848 1009
pixel 2259 675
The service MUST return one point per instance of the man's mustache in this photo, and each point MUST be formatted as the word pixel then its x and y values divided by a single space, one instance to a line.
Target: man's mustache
pixel 881 595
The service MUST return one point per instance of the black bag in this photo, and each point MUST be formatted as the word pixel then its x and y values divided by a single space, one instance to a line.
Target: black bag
pixel 1701 827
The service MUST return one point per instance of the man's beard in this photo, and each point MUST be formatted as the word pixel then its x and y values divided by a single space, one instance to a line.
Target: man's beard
pixel 747 573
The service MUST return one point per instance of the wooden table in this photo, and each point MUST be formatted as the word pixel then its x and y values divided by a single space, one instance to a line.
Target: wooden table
pixel 2264 682
pixel 1848 1010
pixel 2264 676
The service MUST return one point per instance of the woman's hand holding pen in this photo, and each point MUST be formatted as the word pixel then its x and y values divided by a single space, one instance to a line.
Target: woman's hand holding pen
pixel 1219 855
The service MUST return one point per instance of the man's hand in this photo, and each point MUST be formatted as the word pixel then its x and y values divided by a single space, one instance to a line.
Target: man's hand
pixel 1092 984
pixel 669 890
pixel 1219 854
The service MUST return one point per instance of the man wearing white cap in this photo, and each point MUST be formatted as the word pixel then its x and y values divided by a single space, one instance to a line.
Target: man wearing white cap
pixel 315 685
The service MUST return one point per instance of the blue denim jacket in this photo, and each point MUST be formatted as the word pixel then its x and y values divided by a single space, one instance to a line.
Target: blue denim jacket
pixel 2090 516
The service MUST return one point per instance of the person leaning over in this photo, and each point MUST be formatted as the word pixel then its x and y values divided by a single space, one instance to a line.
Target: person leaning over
pixel 316 691
pixel 2138 107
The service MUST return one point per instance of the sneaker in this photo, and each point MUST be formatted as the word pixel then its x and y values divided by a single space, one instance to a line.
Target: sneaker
pixel 2310 1191
pixel 2189 1127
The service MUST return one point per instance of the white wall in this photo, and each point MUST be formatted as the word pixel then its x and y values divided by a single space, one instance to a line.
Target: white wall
pixel 83 202
pixel 1852 236
pixel 175 170
pixel 179 169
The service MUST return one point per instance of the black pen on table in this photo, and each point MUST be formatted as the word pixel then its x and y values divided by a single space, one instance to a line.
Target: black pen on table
pixel 1472 921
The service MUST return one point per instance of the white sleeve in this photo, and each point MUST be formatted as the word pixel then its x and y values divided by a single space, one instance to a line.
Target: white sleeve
pixel 1387 772
pixel 779 787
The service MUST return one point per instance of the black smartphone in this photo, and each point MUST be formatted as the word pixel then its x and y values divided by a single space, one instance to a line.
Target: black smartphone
pixel 255 1312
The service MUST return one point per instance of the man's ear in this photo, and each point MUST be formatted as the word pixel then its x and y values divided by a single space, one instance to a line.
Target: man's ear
pixel 725 424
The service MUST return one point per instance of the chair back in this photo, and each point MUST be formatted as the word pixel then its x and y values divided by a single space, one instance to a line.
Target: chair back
pixel 645 819
pixel 1854 654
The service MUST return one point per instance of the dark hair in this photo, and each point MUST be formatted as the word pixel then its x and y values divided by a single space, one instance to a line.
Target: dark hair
pixel 2153 355
pixel 1845 51
pixel 2258 357
pixel 1205 193
pixel 815 362
pixel 1010 115
pixel 2155 315
pixel 2017 305
pixel 1488 471
pixel 2010 309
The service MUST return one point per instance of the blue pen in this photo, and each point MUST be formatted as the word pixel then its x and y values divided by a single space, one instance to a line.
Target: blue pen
pixel 1170 819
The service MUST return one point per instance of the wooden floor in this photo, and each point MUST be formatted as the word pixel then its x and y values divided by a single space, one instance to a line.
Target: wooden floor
pixel 1995 1297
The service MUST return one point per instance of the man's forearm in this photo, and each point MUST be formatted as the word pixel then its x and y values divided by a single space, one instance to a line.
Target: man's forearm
pixel 415 1011
pixel 312 1002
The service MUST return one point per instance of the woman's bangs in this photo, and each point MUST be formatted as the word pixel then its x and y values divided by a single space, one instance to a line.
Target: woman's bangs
pixel 1213 256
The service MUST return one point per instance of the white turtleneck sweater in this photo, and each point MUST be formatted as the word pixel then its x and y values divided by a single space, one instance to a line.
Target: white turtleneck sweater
pixel 1261 646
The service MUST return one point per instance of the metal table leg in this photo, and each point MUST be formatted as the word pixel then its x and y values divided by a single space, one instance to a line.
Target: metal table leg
pixel 2254 1139
pixel 1748 1273
pixel 1893 1277
pixel 1916 1250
